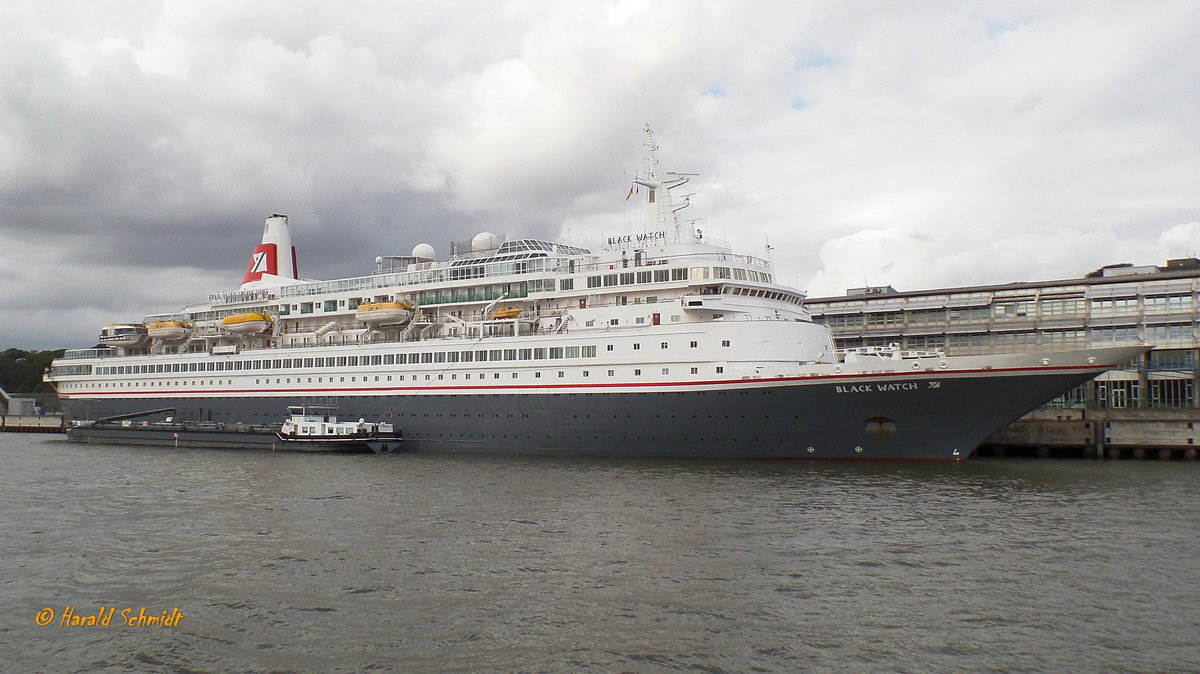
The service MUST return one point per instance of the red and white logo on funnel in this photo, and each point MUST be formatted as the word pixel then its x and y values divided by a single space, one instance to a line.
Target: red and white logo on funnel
pixel 264 260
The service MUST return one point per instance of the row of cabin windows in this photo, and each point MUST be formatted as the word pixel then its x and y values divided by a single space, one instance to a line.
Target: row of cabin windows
pixel 674 274
pixel 477 356
pixel 353 379
pixel 482 376
pixel 426 297
pixel 522 289
pixel 768 294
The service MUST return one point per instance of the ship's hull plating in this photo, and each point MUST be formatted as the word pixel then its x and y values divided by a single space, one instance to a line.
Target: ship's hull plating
pixel 930 416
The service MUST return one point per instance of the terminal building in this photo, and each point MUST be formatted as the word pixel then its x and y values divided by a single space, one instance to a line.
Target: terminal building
pixel 1117 304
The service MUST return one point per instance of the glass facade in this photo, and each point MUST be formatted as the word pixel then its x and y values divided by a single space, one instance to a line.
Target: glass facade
pixel 1155 308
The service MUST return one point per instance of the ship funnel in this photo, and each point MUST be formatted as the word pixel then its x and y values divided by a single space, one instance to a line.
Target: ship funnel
pixel 273 261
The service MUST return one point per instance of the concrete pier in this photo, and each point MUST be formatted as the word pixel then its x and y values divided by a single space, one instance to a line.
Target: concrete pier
pixel 1162 434
pixel 27 423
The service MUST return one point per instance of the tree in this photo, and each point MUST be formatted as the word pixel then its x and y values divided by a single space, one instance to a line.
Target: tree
pixel 21 371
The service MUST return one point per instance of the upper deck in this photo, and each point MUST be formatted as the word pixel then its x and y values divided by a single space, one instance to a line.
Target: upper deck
pixel 492 287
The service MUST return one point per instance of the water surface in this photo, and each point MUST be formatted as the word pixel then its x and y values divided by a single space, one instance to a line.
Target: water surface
pixel 295 562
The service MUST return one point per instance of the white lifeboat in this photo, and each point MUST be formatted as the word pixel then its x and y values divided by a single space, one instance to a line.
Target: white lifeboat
pixel 123 335
pixel 384 313
pixel 250 323
pixel 171 331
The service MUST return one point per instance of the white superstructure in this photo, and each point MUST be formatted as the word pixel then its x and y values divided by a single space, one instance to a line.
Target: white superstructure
pixel 665 305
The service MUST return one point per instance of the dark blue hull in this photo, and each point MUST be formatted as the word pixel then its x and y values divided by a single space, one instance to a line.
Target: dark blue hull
pixel 923 416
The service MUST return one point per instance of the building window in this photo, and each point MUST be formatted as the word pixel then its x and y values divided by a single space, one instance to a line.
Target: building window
pixel 884 318
pixel 1015 309
pixel 1063 337
pixel 1114 307
pixel 926 342
pixel 925 316
pixel 1069 306
pixel 1164 333
pixel 970 314
pixel 1126 334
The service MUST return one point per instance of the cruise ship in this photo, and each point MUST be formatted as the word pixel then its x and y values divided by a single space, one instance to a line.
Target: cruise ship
pixel 662 343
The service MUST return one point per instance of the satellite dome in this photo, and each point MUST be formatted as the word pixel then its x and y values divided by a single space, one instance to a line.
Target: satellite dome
pixel 484 241
pixel 423 251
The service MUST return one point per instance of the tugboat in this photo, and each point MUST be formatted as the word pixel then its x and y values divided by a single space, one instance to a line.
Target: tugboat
pixel 311 428
pixel 318 426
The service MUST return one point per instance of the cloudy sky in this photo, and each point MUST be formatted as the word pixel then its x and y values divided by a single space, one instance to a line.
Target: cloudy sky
pixel 143 142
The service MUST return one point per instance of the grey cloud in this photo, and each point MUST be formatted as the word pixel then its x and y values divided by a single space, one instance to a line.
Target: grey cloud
pixel 142 145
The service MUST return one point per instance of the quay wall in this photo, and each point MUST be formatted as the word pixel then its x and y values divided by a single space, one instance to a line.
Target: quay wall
pixel 1100 433
pixel 27 423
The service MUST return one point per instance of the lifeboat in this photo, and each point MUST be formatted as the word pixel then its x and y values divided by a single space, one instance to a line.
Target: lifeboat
pixel 170 331
pixel 506 312
pixel 123 334
pixel 384 313
pixel 247 324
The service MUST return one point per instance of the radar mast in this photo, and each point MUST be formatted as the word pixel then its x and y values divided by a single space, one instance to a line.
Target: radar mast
pixel 662 214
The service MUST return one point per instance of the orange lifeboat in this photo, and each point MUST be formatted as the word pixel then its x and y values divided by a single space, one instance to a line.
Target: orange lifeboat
pixel 506 312
pixel 170 331
pixel 384 313
pixel 250 323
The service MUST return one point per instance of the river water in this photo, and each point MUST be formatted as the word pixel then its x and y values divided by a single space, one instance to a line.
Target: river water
pixel 295 562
